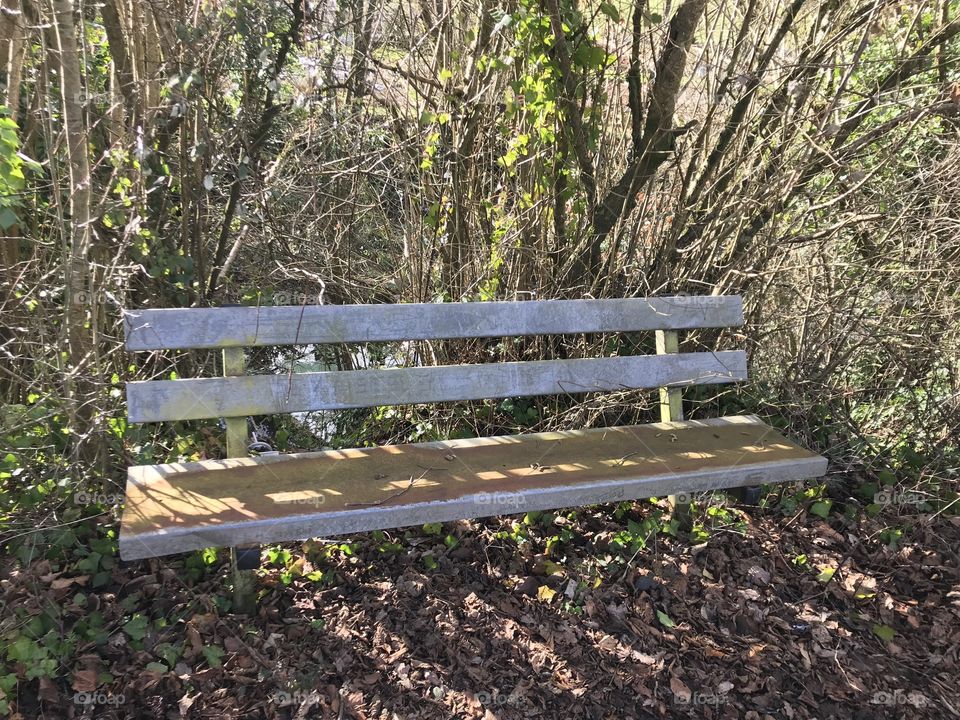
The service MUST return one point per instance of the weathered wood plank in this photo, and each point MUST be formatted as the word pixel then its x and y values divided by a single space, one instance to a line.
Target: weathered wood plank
pixel 168 329
pixel 153 401
pixel 189 506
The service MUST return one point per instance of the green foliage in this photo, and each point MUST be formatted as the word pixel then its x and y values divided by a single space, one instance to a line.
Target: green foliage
pixel 385 545
pixel 136 627
pixel 636 535
pixel 37 435
pixel 213 655
pixel 523 411
pixel 277 555
pixel 716 516
pixel 884 632
pixel 665 620
pixel 198 564
pixel 532 98
pixel 12 164
pixel 821 508
pixel 39 642
pixel 169 653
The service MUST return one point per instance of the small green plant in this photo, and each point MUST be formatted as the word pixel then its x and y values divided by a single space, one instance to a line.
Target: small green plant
pixel 384 545
pixel 8 682
pixel 634 537
pixel 213 655
pixel 169 653
pixel 518 533
pixel 199 563
pixel 523 411
pixel 12 164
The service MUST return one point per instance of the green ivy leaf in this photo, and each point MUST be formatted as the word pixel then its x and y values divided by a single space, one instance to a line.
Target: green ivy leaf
pixel 826 574
pixel 610 11
pixel 169 653
pixel 213 654
pixel 884 632
pixel 887 478
pixel 665 620
pixel 822 508
pixel 136 627
pixel 7 218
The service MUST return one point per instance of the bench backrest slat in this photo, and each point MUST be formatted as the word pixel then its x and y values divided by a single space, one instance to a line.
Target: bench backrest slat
pixel 173 329
pixel 153 401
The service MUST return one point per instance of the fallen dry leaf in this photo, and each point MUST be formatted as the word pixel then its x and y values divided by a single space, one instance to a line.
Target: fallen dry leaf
pixel 680 690
pixel 85 680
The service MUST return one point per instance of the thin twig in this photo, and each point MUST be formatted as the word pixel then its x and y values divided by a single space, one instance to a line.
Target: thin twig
pixel 303 307
pixel 389 497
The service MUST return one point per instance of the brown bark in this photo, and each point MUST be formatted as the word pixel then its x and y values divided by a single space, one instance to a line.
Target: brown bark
pixel 66 58
pixel 659 135
pixel 12 48
pixel 119 51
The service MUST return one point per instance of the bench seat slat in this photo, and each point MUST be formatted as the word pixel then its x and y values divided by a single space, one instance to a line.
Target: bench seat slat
pixel 182 507
pixel 159 400
pixel 173 329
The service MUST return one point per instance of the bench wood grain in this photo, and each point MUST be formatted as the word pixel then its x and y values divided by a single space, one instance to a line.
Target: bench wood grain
pixel 184 328
pixel 181 507
pixel 158 400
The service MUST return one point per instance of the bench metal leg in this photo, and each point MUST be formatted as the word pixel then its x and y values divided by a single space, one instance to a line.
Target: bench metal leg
pixel 747 495
pixel 243 565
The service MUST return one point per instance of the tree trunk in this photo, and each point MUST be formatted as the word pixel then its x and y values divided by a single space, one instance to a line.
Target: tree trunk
pixel 659 135
pixel 76 268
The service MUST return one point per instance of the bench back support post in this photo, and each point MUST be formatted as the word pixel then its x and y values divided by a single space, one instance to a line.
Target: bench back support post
pixel 244 581
pixel 671 410
pixel 233 364
pixel 671 399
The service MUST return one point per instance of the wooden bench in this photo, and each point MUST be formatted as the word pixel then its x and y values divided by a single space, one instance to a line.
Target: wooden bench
pixel 252 500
